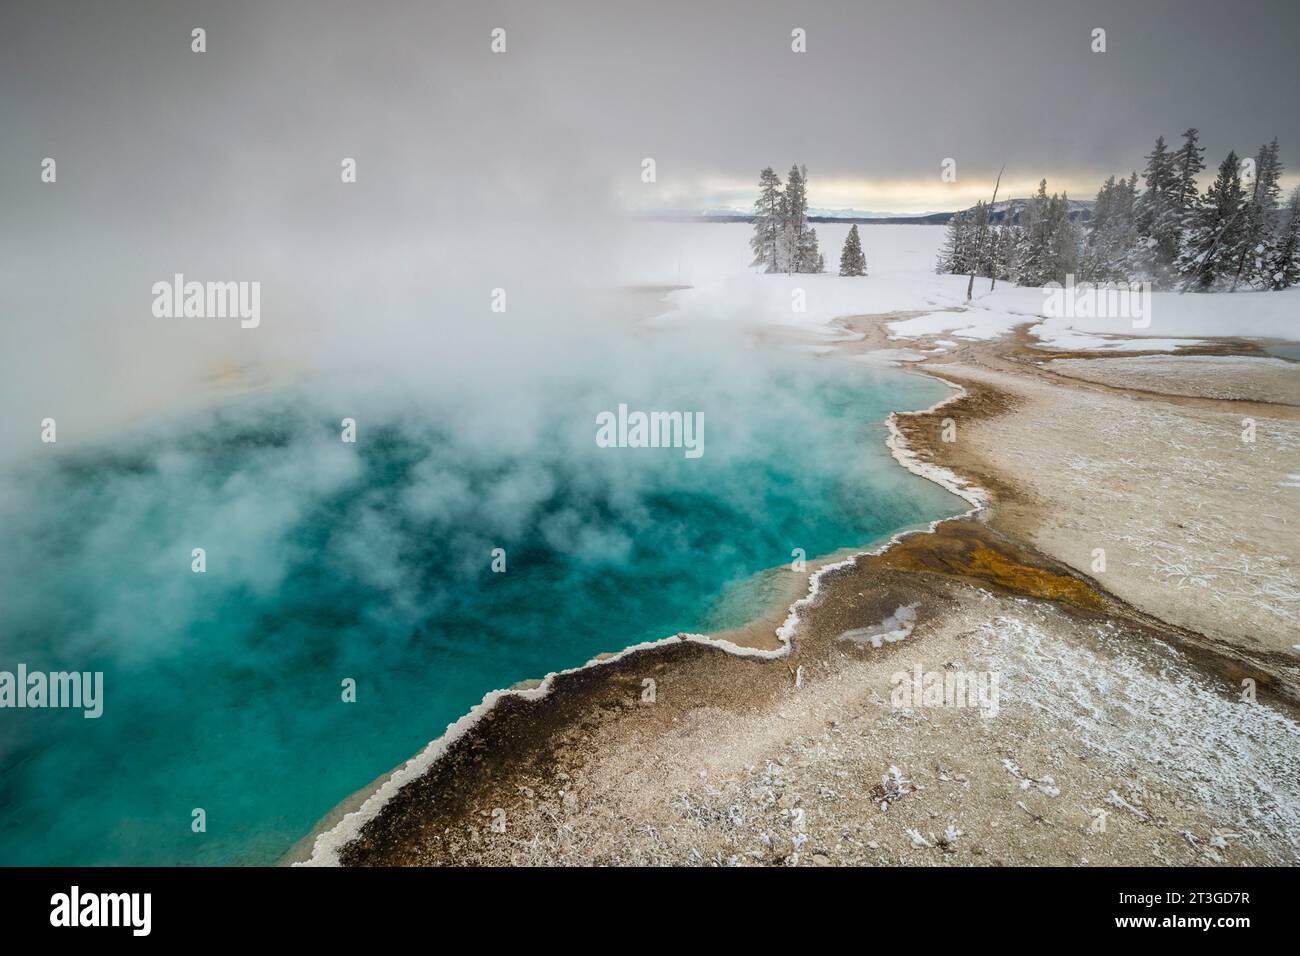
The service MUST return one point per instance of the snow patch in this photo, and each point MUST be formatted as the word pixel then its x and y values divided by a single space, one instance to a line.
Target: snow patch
pixel 894 628
pixel 975 324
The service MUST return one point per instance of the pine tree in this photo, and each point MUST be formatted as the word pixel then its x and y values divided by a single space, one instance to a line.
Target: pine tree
pixel 1108 244
pixel 1260 219
pixel 1285 266
pixel 1095 262
pixel 1003 244
pixel 1034 253
pixel 1217 232
pixel 810 257
pixel 767 221
pixel 794 220
pixel 1188 163
pixel 1062 240
pixel 1102 206
pixel 1011 244
pixel 797 246
pixel 947 251
pixel 1157 214
pixel 1127 264
pixel 852 261
pixel 784 244
pixel 954 256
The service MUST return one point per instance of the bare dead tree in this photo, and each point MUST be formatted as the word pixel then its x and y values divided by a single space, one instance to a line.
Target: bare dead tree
pixel 979 244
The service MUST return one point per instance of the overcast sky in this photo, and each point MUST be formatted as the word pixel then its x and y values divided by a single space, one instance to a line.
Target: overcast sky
pixel 887 89
pixel 478 170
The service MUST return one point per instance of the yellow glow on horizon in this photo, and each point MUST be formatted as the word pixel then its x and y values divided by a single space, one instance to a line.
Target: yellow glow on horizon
pixel 896 195
pixel 917 196
pixel 908 196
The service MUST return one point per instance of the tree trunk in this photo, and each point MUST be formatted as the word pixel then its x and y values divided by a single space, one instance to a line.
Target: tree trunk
pixel 979 244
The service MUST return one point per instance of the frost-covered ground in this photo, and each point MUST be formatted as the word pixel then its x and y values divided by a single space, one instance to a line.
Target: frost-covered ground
pixel 1104 750
pixel 712 259
pixel 1234 377
pixel 1197 525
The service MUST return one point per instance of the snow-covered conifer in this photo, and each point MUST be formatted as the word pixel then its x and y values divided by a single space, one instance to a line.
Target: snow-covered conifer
pixel 1213 243
pixel 852 260
pixel 794 220
pixel 767 221
pixel 1285 269
pixel 1254 261
pixel 1157 214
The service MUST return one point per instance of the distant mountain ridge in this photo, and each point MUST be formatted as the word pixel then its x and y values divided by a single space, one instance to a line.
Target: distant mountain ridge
pixel 1080 210
pixel 818 213
pixel 814 215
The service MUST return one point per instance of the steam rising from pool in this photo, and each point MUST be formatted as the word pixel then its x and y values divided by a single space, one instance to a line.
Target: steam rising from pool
pixel 372 561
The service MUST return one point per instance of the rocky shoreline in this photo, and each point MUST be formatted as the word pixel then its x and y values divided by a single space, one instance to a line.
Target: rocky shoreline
pixel 1124 734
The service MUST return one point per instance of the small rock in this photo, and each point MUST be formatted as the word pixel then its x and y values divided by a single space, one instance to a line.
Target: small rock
pixel 779 850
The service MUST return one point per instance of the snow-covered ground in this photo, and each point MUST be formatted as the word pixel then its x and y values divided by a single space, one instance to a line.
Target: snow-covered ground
pixel 712 258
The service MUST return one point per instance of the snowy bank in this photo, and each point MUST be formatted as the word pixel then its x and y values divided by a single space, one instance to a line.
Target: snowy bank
pixel 712 259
